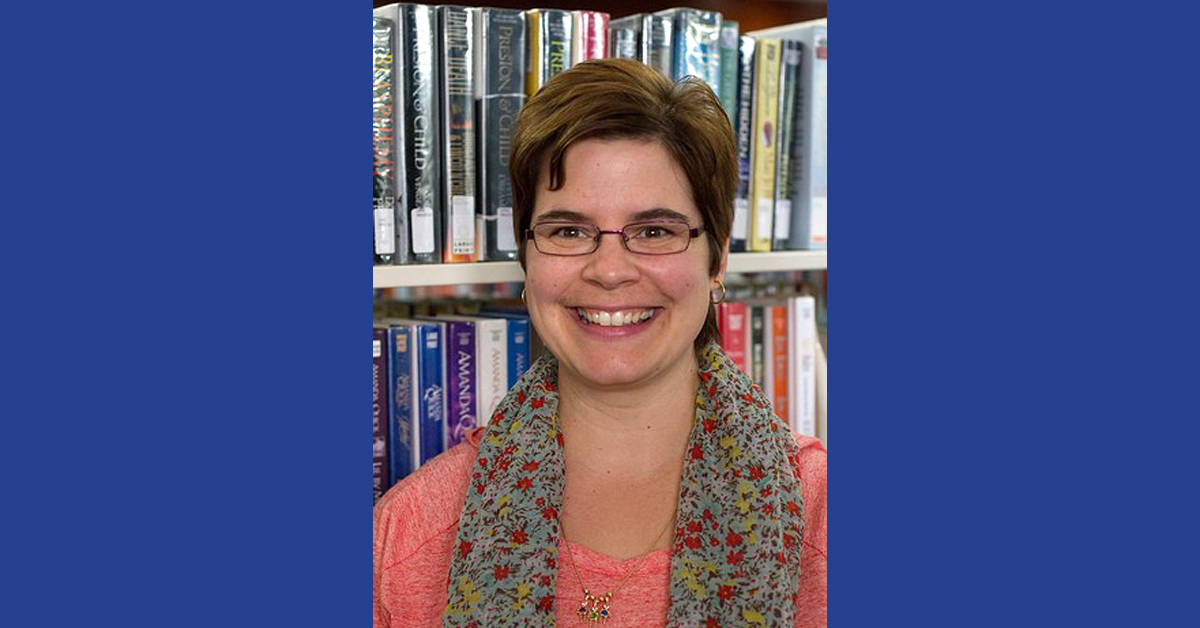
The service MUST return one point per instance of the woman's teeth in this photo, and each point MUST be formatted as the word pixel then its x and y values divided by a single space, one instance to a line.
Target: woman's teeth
pixel 614 319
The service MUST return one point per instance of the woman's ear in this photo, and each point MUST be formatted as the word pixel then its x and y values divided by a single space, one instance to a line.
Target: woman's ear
pixel 720 276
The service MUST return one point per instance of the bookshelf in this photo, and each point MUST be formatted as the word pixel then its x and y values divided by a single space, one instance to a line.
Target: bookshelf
pixel 412 276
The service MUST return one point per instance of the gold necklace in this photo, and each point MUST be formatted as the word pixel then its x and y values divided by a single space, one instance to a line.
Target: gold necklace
pixel 595 609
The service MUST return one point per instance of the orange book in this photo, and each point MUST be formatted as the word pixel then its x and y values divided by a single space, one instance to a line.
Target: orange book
pixel 779 360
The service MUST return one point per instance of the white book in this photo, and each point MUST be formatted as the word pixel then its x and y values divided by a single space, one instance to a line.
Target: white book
pixel 822 397
pixel 802 347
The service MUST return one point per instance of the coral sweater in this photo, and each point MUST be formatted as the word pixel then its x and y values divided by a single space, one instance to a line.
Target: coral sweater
pixel 416 524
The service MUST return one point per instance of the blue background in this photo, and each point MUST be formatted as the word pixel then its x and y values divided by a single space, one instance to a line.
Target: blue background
pixel 185 398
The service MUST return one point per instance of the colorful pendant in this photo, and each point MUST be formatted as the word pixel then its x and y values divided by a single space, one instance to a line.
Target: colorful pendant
pixel 594 609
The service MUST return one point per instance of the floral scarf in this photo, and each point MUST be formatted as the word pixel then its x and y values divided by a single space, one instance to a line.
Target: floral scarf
pixel 736 556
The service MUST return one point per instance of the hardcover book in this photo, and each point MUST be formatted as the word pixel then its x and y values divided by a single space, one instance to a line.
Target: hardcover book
pixel 810 198
pixel 758 369
pixel 589 36
pixel 550 34
pixel 744 129
pixel 625 36
pixel 731 322
pixel 461 404
pixel 779 360
pixel 379 406
pixel 696 45
pixel 402 421
pixel 802 341
pixel 390 244
pixel 456 31
pixel 657 41
pixel 499 95
pixel 729 69
pixel 429 391
pixel 789 78
pixel 519 341
pixel 422 164
pixel 766 120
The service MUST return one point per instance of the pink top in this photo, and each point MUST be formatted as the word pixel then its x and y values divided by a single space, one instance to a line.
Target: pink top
pixel 416 524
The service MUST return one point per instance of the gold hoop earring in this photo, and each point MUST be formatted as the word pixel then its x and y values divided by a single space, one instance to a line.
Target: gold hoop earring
pixel 723 293
pixel 523 297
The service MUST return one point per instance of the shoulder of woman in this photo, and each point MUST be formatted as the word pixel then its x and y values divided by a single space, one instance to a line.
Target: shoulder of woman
pixel 424 505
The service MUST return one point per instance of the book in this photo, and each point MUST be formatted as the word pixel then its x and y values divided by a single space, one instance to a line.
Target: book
pixel 766 118
pixel 519 341
pixel 696 45
pixel 390 243
pixel 625 37
pixel 779 360
pixel 550 32
pixel 429 391
pixel 731 323
pixel 728 44
pixel 421 120
pixel 456 92
pixel 657 43
pixel 589 36
pixel 499 95
pixel 822 395
pixel 462 413
pixel 757 345
pixel 789 78
pixel 379 405
pixel 810 194
pixel 744 131
pixel 402 421
pixel 491 362
pixel 802 340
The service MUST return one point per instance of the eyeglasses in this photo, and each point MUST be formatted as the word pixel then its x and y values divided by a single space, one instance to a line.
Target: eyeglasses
pixel 657 237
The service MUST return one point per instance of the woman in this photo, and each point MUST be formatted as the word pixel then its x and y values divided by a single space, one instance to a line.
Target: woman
pixel 633 477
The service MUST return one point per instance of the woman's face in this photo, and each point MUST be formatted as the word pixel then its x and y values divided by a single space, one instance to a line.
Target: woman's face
pixel 612 183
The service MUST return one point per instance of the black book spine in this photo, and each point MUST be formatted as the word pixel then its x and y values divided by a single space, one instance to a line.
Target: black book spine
pixel 458 132
pixel 383 141
pixel 742 126
pixel 379 404
pixel 789 81
pixel 500 64
pixel 421 120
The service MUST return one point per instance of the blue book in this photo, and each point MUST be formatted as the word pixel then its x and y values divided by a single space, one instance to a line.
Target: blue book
pixel 401 421
pixel 461 385
pixel 696 42
pixel 518 342
pixel 427 385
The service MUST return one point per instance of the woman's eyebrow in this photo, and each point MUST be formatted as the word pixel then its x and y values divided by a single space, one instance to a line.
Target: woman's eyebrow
pixel 562 215
pixel 659 213
pixel 656 213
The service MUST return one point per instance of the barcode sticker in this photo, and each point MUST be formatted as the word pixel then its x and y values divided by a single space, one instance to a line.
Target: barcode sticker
pixel 762 224
pixel 741 207
pixel 505 241
pixel 819 222
pixel 462 221
pixel 377 350
pixel 385 230
pixel 422 230
pixel 783 218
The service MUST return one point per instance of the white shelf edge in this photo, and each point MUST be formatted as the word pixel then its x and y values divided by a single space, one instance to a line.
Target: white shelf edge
pixel 509 272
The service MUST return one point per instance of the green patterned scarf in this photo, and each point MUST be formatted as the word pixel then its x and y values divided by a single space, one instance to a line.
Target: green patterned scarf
pixel 736 556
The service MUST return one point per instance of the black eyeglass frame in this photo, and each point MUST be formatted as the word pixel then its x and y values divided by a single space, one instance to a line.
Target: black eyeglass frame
pixel 693 233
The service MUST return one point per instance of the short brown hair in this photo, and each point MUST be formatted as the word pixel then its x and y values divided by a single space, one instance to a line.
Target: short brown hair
pixel 624 99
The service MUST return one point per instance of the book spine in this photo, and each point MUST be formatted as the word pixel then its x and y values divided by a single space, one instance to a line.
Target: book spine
pixel 766 119
pixel 810 199
pixel 383 141
pixel 379 408
pixel 657 40
pixel 401 409
pixel 779 361
pixel 590 36
pixel 535 42
pixel 391 216
pixel 456 87
pixel 789 78
pixel 557 30
pixel 518 349
pixel 744 128
pixel 802 338
pixel 500 63
pixel 624 37
pixel 491 350
pixel 732 321
pixel 421 120
pixel 757 345
pixel 461 413
pixel 697 50
pixel 432 408
pixel 729 69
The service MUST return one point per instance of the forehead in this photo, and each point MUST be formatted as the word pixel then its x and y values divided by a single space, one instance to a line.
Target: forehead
pixel 607 180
